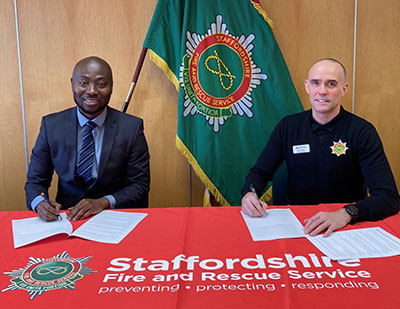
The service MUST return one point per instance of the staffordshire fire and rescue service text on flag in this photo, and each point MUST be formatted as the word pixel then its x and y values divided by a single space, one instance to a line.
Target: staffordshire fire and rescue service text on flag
pixel 233 85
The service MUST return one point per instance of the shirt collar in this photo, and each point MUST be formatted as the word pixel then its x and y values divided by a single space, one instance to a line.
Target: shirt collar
pixel 330 126
pixel 99 120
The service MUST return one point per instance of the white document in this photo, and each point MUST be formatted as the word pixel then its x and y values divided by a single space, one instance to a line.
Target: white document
pixel 109 226
pixel 27 231
pixel 274 224
pixel 356 244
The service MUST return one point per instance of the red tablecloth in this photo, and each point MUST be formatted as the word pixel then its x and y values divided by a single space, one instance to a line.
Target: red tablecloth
pixel 194 258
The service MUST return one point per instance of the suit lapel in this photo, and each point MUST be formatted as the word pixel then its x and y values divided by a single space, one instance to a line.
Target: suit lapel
pixel 70 132
pixel 110 130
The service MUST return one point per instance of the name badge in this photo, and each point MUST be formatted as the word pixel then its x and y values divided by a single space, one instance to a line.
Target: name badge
pixel 301 148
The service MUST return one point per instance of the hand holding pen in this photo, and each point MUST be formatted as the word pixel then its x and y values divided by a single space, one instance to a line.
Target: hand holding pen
pixel 50 212
pixel 251 204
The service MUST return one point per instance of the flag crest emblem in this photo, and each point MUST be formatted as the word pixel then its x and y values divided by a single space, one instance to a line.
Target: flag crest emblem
pixel 233 84
pixel 218 74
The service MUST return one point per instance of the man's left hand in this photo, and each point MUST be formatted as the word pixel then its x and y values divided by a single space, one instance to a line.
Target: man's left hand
pixel 326 221
pixel 87 207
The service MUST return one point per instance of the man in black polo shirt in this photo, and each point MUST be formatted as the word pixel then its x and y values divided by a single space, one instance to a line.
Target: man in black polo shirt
pixel 330 154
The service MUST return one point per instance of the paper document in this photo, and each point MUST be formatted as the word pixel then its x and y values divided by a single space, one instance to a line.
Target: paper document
pixel 108 226
pixel 274 224
pixel 27 231
pixel 356 244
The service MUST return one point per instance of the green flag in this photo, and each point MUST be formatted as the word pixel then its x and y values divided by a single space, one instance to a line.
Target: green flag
pixel 233 85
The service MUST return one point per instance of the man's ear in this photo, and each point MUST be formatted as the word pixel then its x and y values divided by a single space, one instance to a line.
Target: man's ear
pixel 344 88
pixel 306 86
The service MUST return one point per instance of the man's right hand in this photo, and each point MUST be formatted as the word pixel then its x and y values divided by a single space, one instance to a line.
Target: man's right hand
pixel 47 212
pixel 252 206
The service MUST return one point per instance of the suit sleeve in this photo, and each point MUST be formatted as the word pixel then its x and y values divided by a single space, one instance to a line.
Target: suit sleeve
pixel 137 175
pixel 40 170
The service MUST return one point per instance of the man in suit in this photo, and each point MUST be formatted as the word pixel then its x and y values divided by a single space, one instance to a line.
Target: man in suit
pixel 116 172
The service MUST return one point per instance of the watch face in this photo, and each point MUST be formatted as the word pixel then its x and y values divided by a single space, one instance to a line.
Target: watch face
pixel 352 210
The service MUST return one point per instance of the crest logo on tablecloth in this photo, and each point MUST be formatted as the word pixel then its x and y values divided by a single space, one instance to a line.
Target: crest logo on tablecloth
pixel 44 274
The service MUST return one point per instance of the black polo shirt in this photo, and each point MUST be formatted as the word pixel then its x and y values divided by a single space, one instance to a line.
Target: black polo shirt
pixel 329 163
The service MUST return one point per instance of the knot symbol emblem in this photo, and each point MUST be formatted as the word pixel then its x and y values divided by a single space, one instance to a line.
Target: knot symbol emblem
pixel 54 270
pixel 220 63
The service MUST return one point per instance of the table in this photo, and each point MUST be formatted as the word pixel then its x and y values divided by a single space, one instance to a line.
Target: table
pixel 193 258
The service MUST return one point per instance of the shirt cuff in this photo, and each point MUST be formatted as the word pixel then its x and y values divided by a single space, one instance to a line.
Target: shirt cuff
pixel 112 201
pixel 36 202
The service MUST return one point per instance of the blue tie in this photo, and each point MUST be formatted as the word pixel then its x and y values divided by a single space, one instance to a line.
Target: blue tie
pixel 86 154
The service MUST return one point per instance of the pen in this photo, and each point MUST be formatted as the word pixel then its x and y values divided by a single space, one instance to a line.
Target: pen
pixel 48 202
pixel 254 191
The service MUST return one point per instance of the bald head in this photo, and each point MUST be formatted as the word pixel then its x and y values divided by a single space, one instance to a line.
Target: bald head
pixel 326 85
pixel 331 60
pixel 93 61
pixel 92 85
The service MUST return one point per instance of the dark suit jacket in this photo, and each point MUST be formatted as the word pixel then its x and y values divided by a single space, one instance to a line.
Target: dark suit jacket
pixel 123 168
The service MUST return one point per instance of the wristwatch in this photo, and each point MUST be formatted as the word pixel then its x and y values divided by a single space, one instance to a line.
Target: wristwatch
pixel 352 210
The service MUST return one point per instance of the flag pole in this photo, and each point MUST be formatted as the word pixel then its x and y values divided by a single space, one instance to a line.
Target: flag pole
pixel 190 184
pixel 134 79
pixel 129 97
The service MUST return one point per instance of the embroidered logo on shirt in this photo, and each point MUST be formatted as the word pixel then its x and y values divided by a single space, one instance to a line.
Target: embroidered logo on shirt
pixel 339 148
